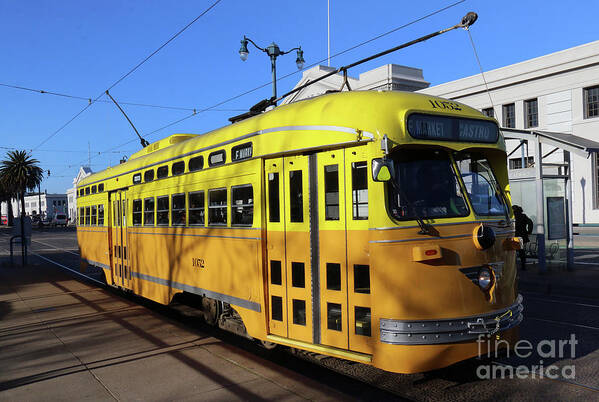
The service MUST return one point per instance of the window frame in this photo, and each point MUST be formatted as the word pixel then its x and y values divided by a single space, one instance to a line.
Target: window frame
pixel 504 118
pixel 178 164
pixel 167 210
pixel 528 114
pixel 146 211
pixel 586 103
pixel 243 206
pixel 173 210
pixel 212 207
pixel 135 213
pixel 190 210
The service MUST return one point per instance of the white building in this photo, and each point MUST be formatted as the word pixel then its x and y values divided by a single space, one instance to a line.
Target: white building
pixel 84 171
pixel 557 92
pixel 51 204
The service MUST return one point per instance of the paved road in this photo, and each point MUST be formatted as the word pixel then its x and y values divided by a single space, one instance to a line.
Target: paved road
pixel 548 320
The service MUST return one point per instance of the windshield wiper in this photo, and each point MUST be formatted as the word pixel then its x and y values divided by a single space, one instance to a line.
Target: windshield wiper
pixel 425 228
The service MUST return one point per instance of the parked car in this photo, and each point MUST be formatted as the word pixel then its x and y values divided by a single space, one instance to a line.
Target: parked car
pixel 59 220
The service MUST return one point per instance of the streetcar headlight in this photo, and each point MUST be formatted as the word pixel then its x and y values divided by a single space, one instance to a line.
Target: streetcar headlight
pixel 485 278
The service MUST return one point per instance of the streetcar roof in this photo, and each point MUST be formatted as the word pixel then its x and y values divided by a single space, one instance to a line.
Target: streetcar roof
pixel 375 112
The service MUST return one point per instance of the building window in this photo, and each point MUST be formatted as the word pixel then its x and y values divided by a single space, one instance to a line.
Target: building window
pixel 531 113
pixel 489 112
pixel 242 205
pixel 509 116
pixel 516 163
pixel 591 102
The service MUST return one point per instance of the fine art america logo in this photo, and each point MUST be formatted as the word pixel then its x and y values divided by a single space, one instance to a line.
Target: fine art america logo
pixel 544 349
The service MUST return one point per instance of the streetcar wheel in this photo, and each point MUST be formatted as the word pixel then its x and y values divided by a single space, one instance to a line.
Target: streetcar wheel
pixel 269 345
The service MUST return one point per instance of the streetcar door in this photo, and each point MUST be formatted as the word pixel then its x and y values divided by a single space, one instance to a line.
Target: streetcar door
pixel 332 249
pixel 298 267
pixel 288 248
pixel 275 247
pixel 121 273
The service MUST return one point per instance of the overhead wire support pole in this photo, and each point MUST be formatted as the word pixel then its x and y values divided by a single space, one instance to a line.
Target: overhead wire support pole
pixel 144 143
pixel 466 22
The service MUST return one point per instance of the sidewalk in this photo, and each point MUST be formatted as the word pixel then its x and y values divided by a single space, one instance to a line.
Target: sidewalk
pixel 63 339
pixel 582 281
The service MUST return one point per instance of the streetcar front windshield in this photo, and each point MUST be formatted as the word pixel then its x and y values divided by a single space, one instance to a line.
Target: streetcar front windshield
pixel 484 192
pixel 424 186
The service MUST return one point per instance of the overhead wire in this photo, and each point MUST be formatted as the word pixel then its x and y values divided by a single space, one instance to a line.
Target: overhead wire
pixel 87 99
pixel 288 75
pixel 127 74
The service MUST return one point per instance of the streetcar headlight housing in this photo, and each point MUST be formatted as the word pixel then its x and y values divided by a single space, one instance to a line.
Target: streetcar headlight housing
pixel 485 278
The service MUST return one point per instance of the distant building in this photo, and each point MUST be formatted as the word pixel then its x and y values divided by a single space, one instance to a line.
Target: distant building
pixel 390 77
pixel 84 171
pixel 51 204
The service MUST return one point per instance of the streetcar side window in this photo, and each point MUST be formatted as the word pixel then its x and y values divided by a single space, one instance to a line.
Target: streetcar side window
pixel 362 279
pixel 137 212
pixel 87 214
pixel 81 190
pixel 82 216
pixel 94 214
pixel 100 187
pixel 149 212
pixel 162 172
pixel 296 203
pixel 362 319
pixel 137 178
pixel 94 189
pixel 331 192
pixel 178 168
pixel 359 180
pixel 196 208
pixel 196 163
pixel 101 215
pixel 217 206
pixel 178 210
pixel 274 212
pixel 149 175
pixel 86 190
pixel 162 211
pixel 242 205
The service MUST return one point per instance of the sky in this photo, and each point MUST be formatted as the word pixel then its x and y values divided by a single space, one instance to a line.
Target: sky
pixel 82 48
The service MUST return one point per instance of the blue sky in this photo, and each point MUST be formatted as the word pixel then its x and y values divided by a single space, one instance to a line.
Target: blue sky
pixel 81 48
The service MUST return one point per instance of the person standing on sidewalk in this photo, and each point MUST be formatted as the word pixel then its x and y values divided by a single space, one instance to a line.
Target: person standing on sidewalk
pixel 523 229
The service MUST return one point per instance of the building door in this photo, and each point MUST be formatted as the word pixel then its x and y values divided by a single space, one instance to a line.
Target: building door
pixel 121 269
pixel 290 278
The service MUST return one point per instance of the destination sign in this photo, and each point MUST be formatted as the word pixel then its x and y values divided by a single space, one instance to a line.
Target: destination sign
pixel 216 158
pixel 443 128
pixel 241 152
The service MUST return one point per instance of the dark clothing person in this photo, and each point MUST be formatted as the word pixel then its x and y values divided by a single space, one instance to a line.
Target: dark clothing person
pixel 523 229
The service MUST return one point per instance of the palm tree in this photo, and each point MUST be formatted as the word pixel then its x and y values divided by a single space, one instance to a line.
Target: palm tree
pixel 19 173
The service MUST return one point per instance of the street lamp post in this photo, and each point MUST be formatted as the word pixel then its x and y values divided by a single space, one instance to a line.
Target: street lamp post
pixel 273 51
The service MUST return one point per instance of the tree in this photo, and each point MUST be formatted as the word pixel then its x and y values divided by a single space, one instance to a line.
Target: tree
pixel 7 196
pixel 19 173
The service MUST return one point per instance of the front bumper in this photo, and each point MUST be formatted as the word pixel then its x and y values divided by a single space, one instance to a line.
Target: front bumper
pixel 431 332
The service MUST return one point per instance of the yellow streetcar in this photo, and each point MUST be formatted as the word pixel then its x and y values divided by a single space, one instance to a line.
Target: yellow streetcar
pixel 370 226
